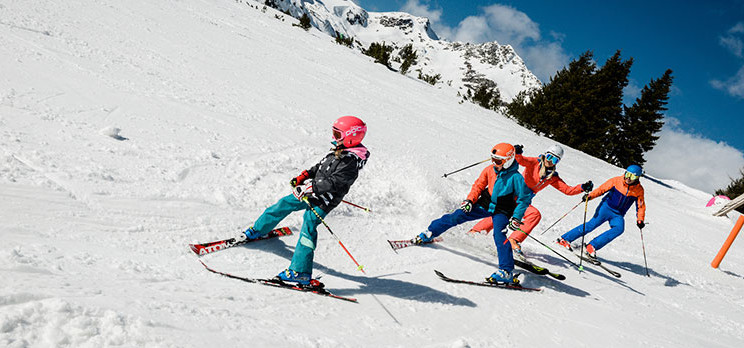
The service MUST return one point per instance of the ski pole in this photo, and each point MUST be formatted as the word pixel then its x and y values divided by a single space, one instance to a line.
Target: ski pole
pixel 357 206
pixel 564 215
pixel 359 267
pixel 461 169
pixel 583 233
pixel 549 248
pixel 644 252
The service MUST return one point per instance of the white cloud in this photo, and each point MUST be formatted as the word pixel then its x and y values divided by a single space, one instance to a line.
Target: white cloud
pixel 733 86
pixel 735 45
pixel 417 8
pixel 505 25
pixel 498 23
pixel 421 9
pixel 696 161
pixel 733 41
pixel 544 59
pixel 631 91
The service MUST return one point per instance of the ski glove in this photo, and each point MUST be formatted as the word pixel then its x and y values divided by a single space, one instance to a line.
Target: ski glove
pixel 641 224
pixel 585 198
pixel 587 186
pixel 303 191
pixel 466 206
pixel 518 149
pixel 514 224
pixel 300 178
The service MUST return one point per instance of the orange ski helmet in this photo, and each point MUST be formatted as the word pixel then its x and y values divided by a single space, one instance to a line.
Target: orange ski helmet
pixel 503 153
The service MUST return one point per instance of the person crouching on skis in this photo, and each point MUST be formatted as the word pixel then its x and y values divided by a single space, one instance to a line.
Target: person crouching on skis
pixel 323 186
pixel 539 172
pixel 620 193
pixel 499 193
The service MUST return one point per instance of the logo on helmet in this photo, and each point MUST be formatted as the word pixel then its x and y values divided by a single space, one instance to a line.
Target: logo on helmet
pixel 353 130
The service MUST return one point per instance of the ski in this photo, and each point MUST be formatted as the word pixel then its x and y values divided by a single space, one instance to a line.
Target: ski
pixel 208 248
pixel 528 265
pixel 599 264
pixel 400 244
pixel 280 284
pixel 487 284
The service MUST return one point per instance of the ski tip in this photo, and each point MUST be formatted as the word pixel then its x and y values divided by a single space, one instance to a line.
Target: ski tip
pixel 194 249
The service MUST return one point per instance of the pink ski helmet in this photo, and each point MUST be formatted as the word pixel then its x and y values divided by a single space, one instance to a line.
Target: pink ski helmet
pixel 349 131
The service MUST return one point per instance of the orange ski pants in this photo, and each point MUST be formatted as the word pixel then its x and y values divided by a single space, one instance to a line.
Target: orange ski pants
pixel 529 221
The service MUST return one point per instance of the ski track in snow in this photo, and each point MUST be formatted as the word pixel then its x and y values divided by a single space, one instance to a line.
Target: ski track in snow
pixel 220 105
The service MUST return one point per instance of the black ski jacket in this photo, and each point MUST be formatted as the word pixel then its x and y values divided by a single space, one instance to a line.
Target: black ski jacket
pixel 333 176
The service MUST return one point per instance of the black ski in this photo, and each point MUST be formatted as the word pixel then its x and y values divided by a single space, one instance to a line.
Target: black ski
pixel 598 263
pixel 528 265
pixel 487 284
pixel 280 284
pixel 400 244
pixel 207 248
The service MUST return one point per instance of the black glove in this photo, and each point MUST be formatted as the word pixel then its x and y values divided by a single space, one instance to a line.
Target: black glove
pixel 466 206
pixel 585 198
pixel 641 224
pixel 514 224
pixel 518 149
pixel 587 186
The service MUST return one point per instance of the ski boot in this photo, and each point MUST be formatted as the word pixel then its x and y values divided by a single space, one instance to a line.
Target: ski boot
pixel 564 243
pixel 503 276
pixel 301 278
pixel 517 251
pixel 248 234
pixel 519 255
pixel 590 253
pixel 423 237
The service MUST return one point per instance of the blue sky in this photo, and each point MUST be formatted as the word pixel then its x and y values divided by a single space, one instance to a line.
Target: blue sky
pixel 702 42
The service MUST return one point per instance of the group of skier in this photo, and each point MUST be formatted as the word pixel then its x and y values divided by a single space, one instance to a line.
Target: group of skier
pixel 501 196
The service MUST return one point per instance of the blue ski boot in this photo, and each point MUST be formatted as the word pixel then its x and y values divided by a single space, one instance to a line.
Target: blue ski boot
pixel 250 233
pixel 503 276
pixel 423 237
pixel 290 276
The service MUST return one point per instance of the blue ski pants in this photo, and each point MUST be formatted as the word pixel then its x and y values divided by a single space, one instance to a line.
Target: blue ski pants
pixel 503 247
pixel 601 215
pixel 302 260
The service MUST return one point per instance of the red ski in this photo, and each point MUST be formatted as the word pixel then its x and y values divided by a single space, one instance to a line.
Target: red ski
pixel 400 244
pixel 208 248
pixel 280 284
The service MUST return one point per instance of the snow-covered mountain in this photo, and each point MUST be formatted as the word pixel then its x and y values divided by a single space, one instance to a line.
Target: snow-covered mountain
pixel 129 129
pixel 462 66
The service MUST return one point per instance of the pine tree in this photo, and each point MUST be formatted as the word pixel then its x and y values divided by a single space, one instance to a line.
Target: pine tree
pixel 409 56
pixel 305 22
pixel 642 122
pixel 607 105
pixel 380 53
pixel 735 189
pixel 582 106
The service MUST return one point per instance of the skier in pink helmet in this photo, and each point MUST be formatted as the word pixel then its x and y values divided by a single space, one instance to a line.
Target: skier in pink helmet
pixel 324 186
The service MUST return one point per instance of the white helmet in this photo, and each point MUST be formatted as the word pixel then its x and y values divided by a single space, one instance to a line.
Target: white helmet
pixel 554 154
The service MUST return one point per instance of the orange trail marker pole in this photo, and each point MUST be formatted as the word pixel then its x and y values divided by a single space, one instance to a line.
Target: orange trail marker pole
pixel 721 253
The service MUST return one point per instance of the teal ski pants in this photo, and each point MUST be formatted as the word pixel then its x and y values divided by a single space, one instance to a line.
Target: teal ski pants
pixel 302 260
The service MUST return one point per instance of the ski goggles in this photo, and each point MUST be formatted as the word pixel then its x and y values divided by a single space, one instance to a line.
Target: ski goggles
pixel 552 158
pixel 337 134
pixel 498 159
pixel 631 176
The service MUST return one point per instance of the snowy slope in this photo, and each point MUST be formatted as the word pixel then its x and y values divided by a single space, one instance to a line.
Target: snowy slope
pixel 219 104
